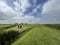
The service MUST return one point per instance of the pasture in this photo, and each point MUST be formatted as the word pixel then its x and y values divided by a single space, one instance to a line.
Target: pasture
pixel 40 35
pixel 30 34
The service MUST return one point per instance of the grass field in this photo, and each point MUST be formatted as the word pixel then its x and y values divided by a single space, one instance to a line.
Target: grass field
pixel 9 33
pixel 4 25
pixel 40 35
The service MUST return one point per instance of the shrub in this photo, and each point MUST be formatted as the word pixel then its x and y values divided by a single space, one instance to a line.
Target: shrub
pixel 8 37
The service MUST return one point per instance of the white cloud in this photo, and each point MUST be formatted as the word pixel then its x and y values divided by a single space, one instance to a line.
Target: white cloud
pixel 51 7
pixel 50 19
pixel 27 19
pixel 25 4
pixel 5 10
pixel 8 15
pixel 37 7
pixel 22 5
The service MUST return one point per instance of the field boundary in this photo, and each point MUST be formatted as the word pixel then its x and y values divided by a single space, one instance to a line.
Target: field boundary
pixel 23 33
pixel 4 28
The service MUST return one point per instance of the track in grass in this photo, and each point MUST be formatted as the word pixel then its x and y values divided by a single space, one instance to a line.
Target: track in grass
pixel 40 35
pixel 20 32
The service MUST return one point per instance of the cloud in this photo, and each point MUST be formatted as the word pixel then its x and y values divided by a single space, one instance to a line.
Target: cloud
pixel 50 19
pixel 26 19
pixel 16 15
pixel 51 11
pixel 51 7
pixel 35 10
pixel 6 11
pixel 14 11
pixel 22 5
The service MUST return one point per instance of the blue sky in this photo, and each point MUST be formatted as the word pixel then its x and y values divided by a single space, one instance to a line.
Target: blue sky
pixel 30 11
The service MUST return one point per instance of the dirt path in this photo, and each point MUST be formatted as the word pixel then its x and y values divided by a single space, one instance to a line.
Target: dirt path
pixel 24 32
pixel 16 28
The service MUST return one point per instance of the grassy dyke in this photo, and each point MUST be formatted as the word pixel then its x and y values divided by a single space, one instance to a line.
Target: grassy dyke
pixel 24 32
pixel 34 34
pixel 40 35
pixel 8 37
pixel 56 26
pixel 6 27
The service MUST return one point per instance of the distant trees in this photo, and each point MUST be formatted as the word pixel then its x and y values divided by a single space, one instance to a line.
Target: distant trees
pixel 56 26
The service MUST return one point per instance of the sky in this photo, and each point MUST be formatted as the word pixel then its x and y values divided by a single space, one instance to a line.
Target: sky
pixel 30 11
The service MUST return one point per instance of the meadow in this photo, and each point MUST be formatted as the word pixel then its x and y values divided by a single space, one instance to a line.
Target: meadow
pixel 10 32
pixel 30 34
pixel 41 35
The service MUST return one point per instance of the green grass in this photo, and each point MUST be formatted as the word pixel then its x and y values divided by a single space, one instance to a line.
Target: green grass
pixel 4 25
pixel 5 33
pixel 40 35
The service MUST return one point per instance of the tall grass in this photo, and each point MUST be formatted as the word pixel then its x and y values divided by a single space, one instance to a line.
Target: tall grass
pixel 3 28
pixel 56 26
pixel 7 37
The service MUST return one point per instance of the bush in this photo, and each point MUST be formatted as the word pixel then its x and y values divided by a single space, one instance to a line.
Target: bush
pixel 7 37
pixel 56 26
